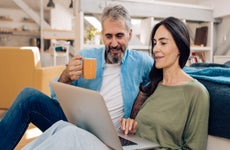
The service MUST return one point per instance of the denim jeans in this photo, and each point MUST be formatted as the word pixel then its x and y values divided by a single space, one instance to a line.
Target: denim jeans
pixel 63 135
pixel 32 106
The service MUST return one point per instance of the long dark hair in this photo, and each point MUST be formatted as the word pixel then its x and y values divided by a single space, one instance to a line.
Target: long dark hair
pixel 181 37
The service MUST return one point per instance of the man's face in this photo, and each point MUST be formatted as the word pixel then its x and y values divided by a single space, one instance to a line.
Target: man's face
pixel 116 38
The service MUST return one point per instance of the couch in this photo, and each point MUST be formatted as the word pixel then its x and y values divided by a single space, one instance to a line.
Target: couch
pixel 20 68
pixel 216 78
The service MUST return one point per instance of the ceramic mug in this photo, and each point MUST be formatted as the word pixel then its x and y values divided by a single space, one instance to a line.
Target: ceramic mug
pixel 89 68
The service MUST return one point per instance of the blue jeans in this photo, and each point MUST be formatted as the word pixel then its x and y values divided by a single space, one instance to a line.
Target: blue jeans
pixel 32 106
pixel 63 135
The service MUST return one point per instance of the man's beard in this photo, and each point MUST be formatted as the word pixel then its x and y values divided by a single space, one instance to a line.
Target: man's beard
pixel 114 58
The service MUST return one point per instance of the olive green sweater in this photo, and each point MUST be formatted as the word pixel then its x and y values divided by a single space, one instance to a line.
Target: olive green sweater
pixel 176 117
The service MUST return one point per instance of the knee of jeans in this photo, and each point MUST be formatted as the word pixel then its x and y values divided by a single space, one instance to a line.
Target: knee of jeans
pixel 28 91
pixel 29 94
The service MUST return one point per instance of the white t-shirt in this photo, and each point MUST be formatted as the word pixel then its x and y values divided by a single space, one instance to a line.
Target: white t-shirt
pixel 111 91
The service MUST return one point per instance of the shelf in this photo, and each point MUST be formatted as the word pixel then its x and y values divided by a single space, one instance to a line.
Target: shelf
pixel 27 33
pixel 5 19
pixel 28 21
pixel 200 48
pixel 20 32
pixel 58 34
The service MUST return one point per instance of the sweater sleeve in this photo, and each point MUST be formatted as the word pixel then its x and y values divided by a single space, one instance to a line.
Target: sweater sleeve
pixel 196 129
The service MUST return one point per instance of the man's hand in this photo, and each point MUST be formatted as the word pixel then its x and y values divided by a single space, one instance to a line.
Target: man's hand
pixel 128 125
pixel 73 70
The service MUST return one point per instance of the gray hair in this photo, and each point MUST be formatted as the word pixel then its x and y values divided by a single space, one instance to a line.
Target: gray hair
pixel 116 13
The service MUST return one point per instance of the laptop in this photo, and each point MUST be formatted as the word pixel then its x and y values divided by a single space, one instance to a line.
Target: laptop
pixel 87 109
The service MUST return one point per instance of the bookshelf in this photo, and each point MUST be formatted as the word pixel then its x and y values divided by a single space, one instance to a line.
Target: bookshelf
pixel 150 12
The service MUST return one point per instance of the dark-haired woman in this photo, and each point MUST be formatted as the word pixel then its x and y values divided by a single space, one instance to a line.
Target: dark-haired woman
pixel 175 114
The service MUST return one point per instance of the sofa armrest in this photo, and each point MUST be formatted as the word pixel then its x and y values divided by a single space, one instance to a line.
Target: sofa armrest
pixel 44 75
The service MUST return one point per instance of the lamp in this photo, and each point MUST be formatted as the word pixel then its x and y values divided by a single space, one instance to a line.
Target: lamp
pixel 71 4
pixel 51 4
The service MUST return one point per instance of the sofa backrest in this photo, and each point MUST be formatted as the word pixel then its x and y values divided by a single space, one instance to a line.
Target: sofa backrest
pixel 17 69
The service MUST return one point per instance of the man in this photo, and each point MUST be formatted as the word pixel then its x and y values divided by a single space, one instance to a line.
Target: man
pixel 119 73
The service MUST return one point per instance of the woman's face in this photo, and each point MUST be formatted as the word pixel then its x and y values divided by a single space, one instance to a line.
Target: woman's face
pixel 165 51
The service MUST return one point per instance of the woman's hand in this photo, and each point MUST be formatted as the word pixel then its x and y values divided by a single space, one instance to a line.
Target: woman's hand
pixel 128 125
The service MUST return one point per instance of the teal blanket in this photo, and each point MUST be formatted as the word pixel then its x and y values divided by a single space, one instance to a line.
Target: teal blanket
pixel 217 81
pixel 212 74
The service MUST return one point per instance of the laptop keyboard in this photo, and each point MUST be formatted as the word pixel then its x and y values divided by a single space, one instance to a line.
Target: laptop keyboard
pixel 125 142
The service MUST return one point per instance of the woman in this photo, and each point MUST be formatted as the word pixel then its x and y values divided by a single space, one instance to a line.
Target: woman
pixel 175 113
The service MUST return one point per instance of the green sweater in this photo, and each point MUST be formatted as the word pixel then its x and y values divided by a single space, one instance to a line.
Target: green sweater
pixel 176 117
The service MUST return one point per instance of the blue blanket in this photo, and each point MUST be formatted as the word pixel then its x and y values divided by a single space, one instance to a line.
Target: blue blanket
pixel 213 74
pixel 217 82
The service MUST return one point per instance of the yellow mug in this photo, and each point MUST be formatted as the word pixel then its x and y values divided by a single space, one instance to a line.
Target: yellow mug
pixel 89 68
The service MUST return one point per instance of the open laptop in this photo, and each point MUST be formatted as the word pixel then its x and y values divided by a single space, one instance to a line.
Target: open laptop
pixel 86 109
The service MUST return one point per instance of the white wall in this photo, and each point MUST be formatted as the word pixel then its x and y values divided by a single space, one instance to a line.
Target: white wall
pixel 223 37
pixel 61 18
pixel 221 8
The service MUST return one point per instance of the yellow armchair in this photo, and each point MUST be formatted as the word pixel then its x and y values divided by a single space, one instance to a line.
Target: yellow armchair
pixel 20 68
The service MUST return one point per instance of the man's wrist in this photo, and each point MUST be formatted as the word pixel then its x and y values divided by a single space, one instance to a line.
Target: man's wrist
pixel 64 78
